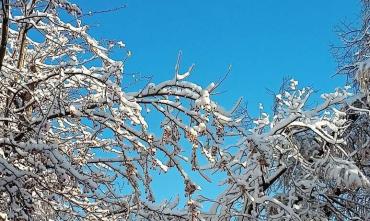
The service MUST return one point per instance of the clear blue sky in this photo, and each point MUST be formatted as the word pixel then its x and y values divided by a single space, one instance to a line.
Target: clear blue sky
pixel 264 40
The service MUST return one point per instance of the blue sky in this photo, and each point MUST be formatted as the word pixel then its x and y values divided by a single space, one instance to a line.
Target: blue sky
pixel 264 40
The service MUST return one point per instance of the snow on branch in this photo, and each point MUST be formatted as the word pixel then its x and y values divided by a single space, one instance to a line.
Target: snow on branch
pixel 71 136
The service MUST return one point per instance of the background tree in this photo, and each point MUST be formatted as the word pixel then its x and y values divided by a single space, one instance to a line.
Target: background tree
pixel 353 54
pixel 302 163
pixel 305 163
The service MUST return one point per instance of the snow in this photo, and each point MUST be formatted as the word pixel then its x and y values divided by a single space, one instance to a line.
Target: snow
pixel 182 76
pixel 204 100
pixel 293 84
pixel 121 44
pixel 75 130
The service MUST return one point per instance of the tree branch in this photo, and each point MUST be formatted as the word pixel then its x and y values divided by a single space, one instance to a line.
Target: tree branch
pixel 4 31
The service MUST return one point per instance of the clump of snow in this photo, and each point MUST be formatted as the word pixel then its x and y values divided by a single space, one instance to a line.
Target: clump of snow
pixel 204 100
pixel 293 84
